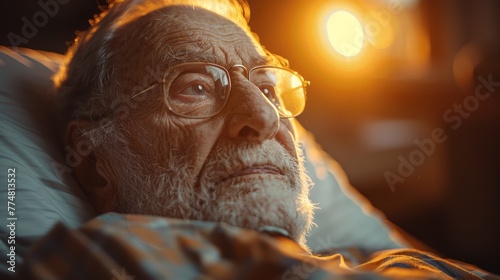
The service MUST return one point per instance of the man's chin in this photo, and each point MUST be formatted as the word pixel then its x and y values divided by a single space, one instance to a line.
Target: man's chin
pixel 253 205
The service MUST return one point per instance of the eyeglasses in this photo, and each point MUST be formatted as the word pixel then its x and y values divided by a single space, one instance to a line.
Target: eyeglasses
pixel 201 90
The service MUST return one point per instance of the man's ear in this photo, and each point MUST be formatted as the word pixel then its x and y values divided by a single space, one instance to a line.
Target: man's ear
pixel 94 182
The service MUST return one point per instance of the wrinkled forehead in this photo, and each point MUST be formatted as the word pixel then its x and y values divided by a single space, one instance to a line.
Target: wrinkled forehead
pixel 186 34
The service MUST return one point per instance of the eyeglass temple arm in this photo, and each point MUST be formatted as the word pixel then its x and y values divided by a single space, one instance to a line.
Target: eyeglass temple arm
pixel 147 88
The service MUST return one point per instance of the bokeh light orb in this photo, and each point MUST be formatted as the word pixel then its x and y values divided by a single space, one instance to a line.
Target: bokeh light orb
pixel 345 33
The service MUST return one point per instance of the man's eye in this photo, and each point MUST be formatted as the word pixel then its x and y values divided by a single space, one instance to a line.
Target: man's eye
pixel 192 84
pixel 195 89
pixel 268 91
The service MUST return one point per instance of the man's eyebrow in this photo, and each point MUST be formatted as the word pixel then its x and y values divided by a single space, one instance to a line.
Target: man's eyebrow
pixel 264 60
pixel 193 58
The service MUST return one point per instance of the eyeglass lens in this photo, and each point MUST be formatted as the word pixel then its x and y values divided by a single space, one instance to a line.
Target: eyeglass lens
pixel 201 90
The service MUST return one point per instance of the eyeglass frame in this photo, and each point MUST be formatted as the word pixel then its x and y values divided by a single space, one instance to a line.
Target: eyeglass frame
pixel 304 84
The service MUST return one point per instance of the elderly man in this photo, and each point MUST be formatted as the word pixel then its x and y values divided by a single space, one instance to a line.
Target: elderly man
pixel 205 136
pixel 182 114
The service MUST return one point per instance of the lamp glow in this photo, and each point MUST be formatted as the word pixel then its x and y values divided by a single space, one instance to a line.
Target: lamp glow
pixel 345 33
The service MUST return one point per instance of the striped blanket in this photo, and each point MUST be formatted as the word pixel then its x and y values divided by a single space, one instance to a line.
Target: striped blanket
pixel 115 246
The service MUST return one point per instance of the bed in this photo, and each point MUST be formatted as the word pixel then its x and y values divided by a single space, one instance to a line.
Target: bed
pixel 53 232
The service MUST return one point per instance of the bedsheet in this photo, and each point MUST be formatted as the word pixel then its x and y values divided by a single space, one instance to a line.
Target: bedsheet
pixel 116 246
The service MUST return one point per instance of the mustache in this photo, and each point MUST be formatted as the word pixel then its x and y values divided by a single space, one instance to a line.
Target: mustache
pixel 229 158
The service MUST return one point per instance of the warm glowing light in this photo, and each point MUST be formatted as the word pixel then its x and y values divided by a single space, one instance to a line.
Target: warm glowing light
pixel 345 33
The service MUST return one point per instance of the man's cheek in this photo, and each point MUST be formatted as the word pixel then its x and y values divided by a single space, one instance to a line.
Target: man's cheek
pixel 287 138
pixel 291 126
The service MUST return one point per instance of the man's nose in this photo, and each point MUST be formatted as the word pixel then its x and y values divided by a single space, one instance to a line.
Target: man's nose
pixel 251 116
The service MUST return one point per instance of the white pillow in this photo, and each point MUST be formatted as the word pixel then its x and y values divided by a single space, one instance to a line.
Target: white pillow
pixel 29 145
pixel 345 218
pixel 43 197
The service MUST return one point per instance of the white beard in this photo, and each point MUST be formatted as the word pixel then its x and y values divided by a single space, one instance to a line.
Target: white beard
pixel 170 189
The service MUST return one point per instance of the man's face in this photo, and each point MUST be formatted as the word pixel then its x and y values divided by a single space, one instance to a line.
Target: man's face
pixel 240 166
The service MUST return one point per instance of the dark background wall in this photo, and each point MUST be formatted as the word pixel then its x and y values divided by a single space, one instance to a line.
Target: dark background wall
pixel 376 113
